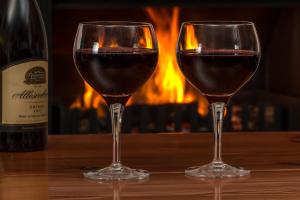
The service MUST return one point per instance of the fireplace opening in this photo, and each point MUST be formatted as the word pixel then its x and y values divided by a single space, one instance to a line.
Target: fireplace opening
pixel 168 103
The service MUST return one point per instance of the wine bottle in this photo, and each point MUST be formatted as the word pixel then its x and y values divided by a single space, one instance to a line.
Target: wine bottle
pixel 23 77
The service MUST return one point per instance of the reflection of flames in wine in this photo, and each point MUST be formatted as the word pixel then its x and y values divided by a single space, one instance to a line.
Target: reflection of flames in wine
pixel 167 85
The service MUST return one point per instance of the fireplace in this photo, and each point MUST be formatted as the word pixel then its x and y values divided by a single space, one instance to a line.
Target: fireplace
pixel 167 103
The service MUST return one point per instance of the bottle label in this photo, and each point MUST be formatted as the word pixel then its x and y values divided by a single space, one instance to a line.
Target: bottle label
pixel 25 93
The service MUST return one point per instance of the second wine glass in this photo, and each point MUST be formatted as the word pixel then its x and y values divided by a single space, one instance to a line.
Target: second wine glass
pixel 116 58
pixel 218 58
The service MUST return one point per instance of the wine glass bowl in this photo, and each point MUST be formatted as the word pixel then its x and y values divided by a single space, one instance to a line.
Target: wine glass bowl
pixel 218 58
pixel 116 58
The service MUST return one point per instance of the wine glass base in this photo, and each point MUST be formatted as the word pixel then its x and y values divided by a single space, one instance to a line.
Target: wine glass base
pixel 216 170
pixel 116 172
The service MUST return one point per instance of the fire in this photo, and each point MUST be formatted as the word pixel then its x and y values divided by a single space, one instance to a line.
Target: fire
pixel 167 85
pixel 91 99
pixel 144 41
pixel 190 38
pixel 112 43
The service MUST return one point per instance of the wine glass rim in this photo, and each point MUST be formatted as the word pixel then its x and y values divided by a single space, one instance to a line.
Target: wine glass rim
pixel 115 23
pixel 219 23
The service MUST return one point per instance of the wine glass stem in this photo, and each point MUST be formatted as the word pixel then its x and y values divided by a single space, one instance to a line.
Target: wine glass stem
pixel 217 114
pixel 116 112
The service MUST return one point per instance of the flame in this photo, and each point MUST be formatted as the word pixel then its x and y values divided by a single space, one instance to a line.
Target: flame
pixel 91 99
pixel 112 43
pixel 76 104
pixel 203 106
pixel 146 41
pixel 87 97
pixel 167 85
pixel 190 38
pixel 101 40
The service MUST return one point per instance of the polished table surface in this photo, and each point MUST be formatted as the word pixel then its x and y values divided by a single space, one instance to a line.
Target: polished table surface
pixel 273 158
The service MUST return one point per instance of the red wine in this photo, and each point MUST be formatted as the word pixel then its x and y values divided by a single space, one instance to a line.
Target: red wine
pixel 218 74
pixel 116 73
pixel 24 77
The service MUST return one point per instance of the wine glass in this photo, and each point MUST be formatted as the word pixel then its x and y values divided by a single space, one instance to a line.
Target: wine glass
pixel 218 58
pixel 115 58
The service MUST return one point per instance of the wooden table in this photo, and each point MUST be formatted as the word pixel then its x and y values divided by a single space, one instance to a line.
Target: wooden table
pixel 274 159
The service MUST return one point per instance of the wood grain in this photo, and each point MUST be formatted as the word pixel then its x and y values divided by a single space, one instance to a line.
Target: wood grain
pixel 274 159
